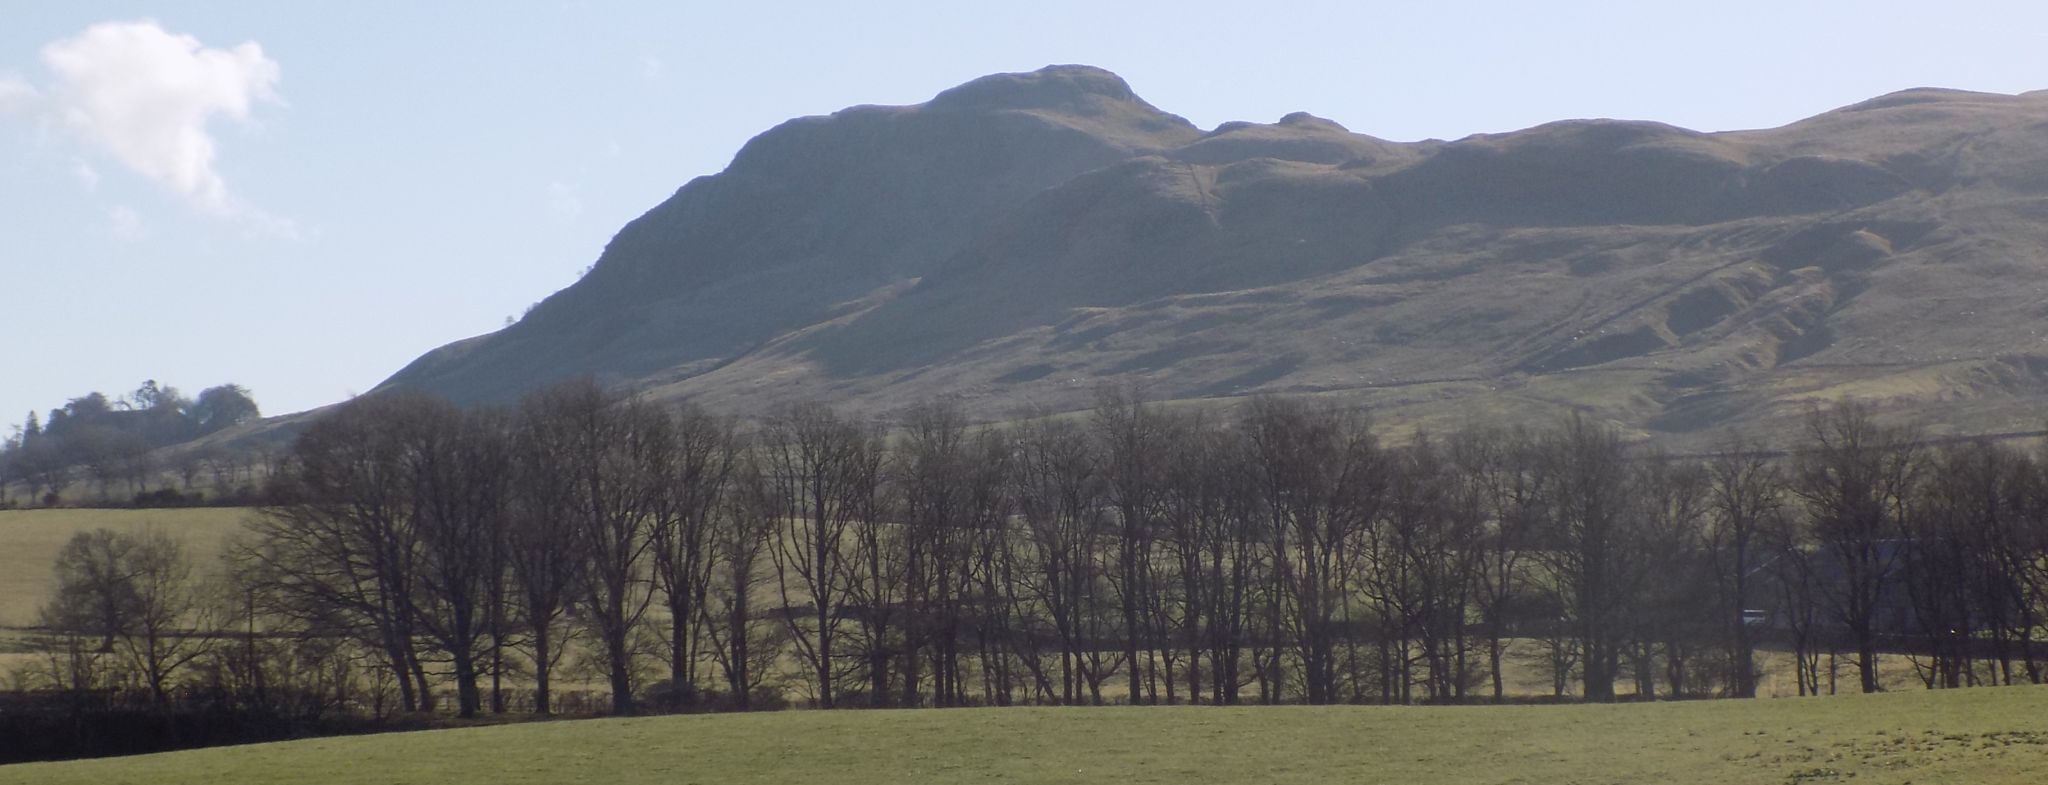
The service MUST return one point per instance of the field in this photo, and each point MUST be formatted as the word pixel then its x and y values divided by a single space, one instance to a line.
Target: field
pixel 30 539
pixel 1974 736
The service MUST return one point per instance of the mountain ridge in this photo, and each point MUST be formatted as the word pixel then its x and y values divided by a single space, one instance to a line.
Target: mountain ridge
pixel 1022 237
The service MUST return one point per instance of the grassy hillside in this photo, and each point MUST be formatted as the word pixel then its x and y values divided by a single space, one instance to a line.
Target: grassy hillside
pixel 29 540
pixel 1668 282
pixel 1977 736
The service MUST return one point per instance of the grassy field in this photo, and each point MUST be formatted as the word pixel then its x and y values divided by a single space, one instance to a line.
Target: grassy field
pixel 29 540
pixel 1973 736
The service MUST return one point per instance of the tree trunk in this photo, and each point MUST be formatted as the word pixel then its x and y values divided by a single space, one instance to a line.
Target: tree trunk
pixel 467 698
pixel 542 670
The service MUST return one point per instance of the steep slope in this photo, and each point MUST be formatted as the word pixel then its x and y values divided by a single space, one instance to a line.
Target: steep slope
pixel 810 217
pixel 1019 239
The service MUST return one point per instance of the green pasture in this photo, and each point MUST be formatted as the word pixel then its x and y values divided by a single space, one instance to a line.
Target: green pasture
pixel 1976 736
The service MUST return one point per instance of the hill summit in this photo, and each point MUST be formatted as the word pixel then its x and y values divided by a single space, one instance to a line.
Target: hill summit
pixel 1022 237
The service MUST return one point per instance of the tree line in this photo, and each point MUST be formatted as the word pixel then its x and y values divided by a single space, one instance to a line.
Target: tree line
pixel 114 440
pixel 1277 553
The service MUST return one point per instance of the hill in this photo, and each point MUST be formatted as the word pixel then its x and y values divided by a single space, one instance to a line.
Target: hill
pixel 1987 736
pixel 1020 238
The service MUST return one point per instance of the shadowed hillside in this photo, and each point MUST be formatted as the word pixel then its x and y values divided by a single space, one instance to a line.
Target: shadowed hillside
pixel 1022 237
pixel 810 219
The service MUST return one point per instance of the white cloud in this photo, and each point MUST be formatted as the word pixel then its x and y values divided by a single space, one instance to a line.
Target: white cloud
pixel 145 96
pixel 651 67
pixel 126 224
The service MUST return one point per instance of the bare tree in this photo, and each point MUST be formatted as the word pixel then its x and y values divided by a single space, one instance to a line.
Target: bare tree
pixel 990 582
pixel 1058 491
pixel 1194 509
pixel 1794 579
pixel 2020 544
pixel 932 475
pixel 1234 563
pixel 546 558
pixel 457 464
pixel 1971 551
pixel 107 454
pixel 879 565
pixel 1422 567
pixel 173 624
pixel 1588 554
pixel 1321 480
pixel 1133 436
pixel 1502 469
pixel 134 595
pixel 743 648
pixel 340 544
pixel 1670 576
pixel 609 450
pixel 186 464
pixel 1855 479
pixel 95 595
pixel 1747 498
pixel 221 467
pixel 692 477
pixel 393 513
pixel 40 463
pixel 815 459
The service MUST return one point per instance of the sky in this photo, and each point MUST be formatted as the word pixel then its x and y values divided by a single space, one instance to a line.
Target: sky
pixel 302 198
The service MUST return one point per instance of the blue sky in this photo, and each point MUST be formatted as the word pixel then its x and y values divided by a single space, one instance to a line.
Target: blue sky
pixel 302 198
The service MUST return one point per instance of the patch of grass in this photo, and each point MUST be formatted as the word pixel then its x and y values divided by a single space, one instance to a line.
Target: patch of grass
pixel 1977 736
pixel 30 539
